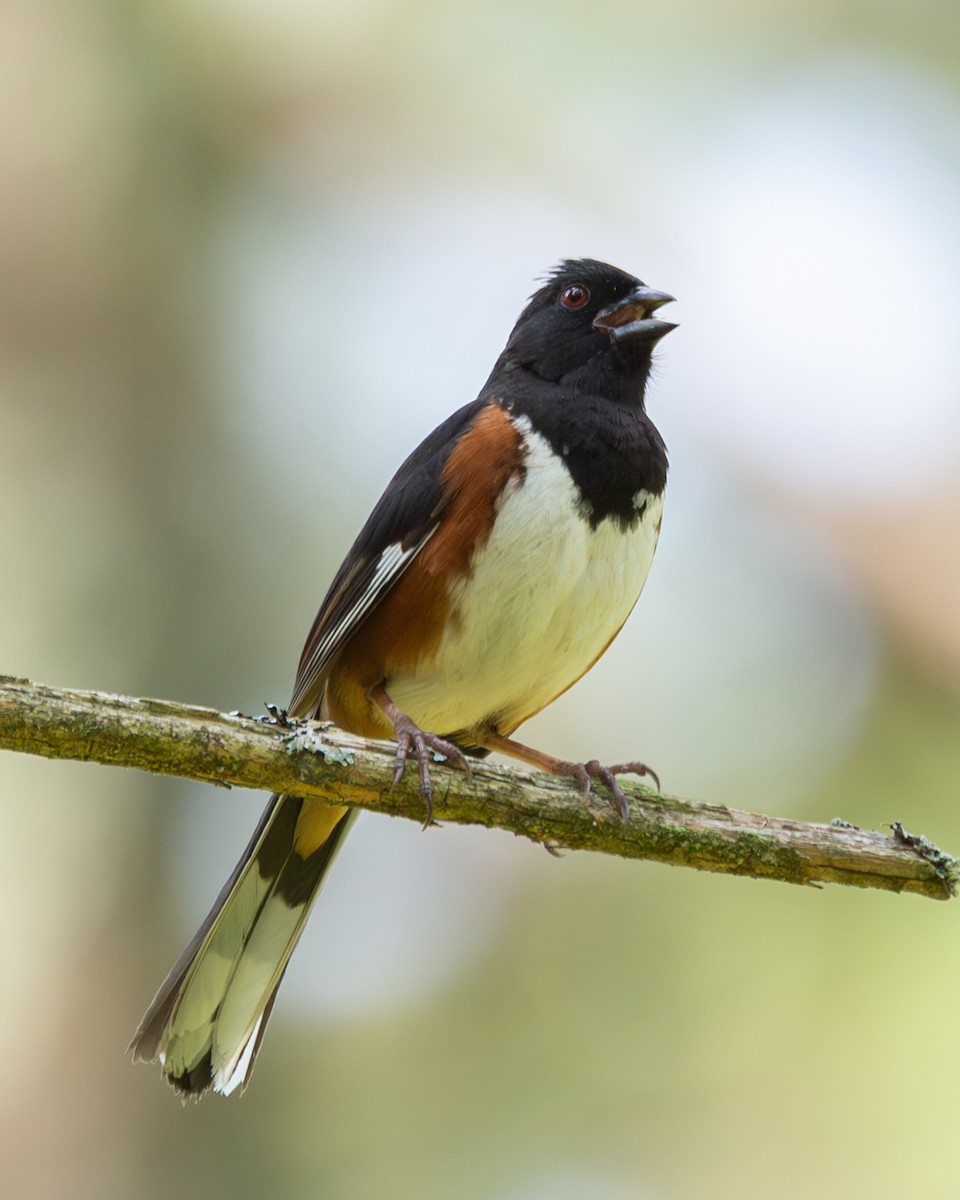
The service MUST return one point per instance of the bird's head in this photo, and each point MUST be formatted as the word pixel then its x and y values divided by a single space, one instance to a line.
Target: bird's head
pixel 589 319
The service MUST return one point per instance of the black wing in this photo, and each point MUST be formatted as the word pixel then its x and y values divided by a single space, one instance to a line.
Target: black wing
pixel 404 519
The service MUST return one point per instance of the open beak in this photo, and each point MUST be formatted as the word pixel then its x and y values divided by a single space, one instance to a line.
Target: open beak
pixel 631 319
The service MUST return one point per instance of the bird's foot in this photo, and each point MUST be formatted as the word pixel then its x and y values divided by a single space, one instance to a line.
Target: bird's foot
pixel 586 773
pixel 410 737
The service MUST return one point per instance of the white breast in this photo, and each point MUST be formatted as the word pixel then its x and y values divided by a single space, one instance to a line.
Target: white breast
pixel 546 596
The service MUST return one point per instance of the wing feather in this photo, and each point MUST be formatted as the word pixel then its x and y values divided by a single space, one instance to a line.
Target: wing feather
pixel 404 519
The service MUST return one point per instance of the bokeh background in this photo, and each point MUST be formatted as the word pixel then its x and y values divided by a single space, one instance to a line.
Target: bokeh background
pixel 250 252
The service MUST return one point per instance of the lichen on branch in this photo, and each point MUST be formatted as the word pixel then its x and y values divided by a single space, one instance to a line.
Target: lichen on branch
pixel 318 760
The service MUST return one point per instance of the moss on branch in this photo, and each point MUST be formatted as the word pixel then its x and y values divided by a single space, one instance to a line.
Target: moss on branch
pixel 318 760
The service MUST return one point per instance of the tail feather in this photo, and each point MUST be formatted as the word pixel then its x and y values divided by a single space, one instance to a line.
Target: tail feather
pixel 206 1022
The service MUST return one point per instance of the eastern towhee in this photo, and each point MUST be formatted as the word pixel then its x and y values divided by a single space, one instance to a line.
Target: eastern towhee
pixel 499 564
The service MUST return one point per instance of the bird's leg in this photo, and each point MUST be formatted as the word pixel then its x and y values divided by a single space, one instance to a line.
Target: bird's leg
pixel 411 737
pixel 583 773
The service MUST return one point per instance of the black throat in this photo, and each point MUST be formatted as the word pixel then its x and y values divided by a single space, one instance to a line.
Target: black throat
pixel 607 442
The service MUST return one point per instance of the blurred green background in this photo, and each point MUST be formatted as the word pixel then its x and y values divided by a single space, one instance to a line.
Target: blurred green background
pixel 251 252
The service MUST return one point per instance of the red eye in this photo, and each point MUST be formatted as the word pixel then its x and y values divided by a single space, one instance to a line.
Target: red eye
pixel 574 296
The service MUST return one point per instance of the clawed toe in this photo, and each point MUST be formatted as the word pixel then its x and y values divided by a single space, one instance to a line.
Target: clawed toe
pixel 581 773
pixel 636 768
pixel 410 737
pixel 585 773
pixel 607 777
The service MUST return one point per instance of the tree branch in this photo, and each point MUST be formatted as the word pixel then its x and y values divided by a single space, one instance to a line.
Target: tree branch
pixel 317 760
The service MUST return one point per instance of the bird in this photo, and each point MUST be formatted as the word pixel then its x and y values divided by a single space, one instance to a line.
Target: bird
pixel 499 564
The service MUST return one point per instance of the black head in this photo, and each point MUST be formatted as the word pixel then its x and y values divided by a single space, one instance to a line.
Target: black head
pixel 590 322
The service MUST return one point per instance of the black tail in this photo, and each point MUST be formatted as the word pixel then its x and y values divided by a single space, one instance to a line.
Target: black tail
pixel 207 1020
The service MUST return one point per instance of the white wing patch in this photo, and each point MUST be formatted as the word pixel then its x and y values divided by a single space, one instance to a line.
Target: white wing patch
pixel 392 563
